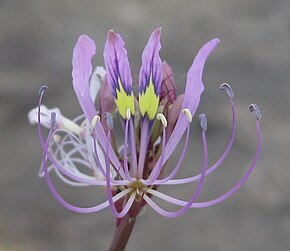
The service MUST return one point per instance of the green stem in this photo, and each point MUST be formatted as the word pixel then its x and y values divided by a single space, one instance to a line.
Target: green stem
pixel 122 234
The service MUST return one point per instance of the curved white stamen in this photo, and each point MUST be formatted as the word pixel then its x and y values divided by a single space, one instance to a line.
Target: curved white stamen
pixel 187 112
pixel 162 118
pixel 128 114
pixel 94 121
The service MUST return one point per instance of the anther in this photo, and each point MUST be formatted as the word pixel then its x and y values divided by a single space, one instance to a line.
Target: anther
pixel 52 120
pixel 57 138
pixel 203 122
pixel 162 118
pixel 187 112
pixel 42 90
pixel 94 121
pixel 128 114
pixel 255 109
pixel 109 120
pixel 228 89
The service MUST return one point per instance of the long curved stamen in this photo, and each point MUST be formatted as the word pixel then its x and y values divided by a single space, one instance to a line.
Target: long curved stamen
pixel 109 192
pixel 86 180
pixel 94 122
pixel 253 108
pixel 74 174
pixel 178 165
pixel 145 134
pixel 230 93
pixel 128 176
pixel 77 148
pixel 58 196
pixel 132 143
pixel 81 178
pixel 194 197
pixel 97 125
pixel 187 113
pixel 157 168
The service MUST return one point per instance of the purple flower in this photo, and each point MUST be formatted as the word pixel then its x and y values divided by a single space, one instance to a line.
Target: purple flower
pixel 154 121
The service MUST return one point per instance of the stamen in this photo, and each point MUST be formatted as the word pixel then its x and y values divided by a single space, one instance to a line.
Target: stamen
pixel 42 90
pixel 255 109
pixel 228 89
pixel 128 114
pixel 162 118
pixel 109 120
pixel 187 112
pixel 94 121
pixel 52 120
pixel 203 122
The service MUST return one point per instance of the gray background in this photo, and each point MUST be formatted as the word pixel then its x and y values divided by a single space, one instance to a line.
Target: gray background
pixel 36 43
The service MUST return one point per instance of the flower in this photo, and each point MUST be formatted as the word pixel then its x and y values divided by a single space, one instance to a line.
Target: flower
pixel 154 122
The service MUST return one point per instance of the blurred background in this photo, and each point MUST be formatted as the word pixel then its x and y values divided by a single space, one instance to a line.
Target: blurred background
pixel 36 43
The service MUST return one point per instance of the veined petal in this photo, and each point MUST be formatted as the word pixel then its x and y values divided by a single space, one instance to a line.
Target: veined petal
pixel 118 73
pixel 82 69
pixel 150 76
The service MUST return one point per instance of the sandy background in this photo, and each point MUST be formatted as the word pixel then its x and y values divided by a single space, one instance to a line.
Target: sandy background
pixel 36 43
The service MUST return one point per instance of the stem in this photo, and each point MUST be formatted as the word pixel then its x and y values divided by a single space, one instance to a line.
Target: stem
pixel 122 233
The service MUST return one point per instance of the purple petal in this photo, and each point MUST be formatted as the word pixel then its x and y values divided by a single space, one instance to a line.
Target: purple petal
pixel 82 69
pixel 117 64
pixel 194 85
pixel 193 90
pixel 151 64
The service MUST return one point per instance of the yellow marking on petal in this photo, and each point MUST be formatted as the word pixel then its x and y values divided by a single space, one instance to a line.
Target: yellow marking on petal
pixel 124 101
pixel 148 101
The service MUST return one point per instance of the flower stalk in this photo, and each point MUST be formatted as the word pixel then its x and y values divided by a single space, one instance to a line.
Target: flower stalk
pixel 122 233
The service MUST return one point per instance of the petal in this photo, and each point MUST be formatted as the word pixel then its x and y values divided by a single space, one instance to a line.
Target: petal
pixel 193 90
pixel 118 73
pixel 106 102
pixel 150 76
pixel 194 85
pixel 82 69
pixel 168 93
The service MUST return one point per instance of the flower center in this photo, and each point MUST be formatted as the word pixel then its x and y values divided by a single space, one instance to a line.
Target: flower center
pixel 138 186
